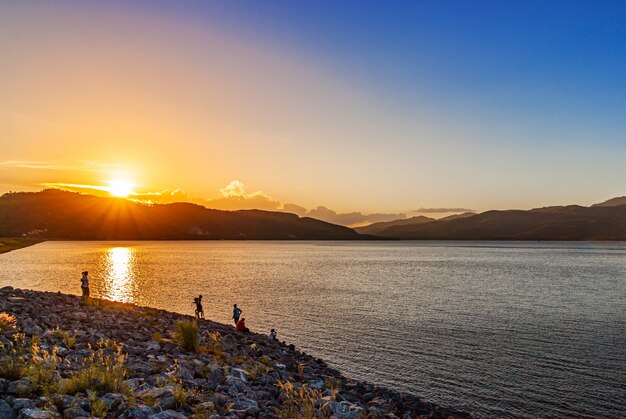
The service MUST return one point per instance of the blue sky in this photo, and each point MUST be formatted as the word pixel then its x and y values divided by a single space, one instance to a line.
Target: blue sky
pixel 357 106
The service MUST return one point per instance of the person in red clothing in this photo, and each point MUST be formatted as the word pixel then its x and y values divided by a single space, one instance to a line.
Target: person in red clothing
pixel 241 325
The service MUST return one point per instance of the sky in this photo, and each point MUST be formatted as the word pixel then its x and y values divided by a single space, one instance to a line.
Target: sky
pixel 350 111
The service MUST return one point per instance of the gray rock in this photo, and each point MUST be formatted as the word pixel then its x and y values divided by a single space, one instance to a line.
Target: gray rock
pixel 220 399
pixel 6 411
pixel 316 384
pixel 34 413
pixel 346 410
pixel 164 396
pixel 113 400
pixel 19 404
pixel 33 330
pixel 243 403
pixel 74 412
pixel 63 401
pixel 4 385
pixel 168 414
pixel 153 347
pixel 141 412
pixel 20 387
pixel 205 408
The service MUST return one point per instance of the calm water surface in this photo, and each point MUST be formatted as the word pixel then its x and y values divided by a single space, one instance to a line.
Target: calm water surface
pixel 496 329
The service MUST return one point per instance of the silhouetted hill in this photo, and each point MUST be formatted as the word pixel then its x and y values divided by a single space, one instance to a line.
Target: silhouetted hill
pixel 613 202
pixel 551 223
pixel 455 216
pixel 59 214
pixel 376 228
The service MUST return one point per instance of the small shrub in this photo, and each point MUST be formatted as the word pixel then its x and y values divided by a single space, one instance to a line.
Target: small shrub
pixel 187 335
pixel 149 400
pixel 99 408
pixel 89 301
pixel 300 370
pixel 7 322
pixel 68 340
pixel 103 372
pixel 332 385
pixel 240 360
pixel 180 395
pixel 214 347
pixel 253 370
pixel 42 369
pixel 13 361
pixel 156 337
pixel 206 410
pixel 303 402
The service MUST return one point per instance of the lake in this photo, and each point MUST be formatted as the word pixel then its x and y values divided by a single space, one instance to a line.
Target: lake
pixel 497 329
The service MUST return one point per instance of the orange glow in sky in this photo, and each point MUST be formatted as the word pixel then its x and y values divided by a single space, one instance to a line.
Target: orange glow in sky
pixel 120 188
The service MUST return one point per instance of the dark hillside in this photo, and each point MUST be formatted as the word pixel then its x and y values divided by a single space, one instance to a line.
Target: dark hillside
pixel 56 214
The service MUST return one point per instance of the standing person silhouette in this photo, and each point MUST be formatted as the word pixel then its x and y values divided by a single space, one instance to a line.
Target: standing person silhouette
pixel 84 285
pixel 236 313
pixel 199 309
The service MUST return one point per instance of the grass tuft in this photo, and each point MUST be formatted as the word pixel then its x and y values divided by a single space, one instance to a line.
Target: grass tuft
pixel 103 372
pixel 187 335
pixel 13 360
pixel 7 322
pixel 303 402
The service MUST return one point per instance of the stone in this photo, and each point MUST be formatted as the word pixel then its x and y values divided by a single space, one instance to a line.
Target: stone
pixel 153 347
pixel 34 413
pixel 6 411
pixel 21 403
pixel 346 410
pixel 316 384
pixel 74 412
pixel 220 399
pixel 140 412
pixel 168 414
pixel 20 387
pixel 204 408
pixel 4 385
pixel 113 400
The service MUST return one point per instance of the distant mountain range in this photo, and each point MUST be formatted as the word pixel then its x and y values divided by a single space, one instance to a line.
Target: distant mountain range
pixel 604 221
pixel 56 214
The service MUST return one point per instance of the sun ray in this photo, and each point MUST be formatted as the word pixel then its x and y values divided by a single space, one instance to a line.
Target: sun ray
pixel 120 188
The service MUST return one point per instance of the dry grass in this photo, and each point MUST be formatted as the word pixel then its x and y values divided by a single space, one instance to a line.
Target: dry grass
pixel 103 372
pixel 68 340
pixel 187 335
pixel 13 361
pixel 7 322
pixel 303 402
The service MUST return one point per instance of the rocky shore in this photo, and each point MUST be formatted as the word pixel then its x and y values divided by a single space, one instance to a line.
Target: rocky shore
pixel 60 357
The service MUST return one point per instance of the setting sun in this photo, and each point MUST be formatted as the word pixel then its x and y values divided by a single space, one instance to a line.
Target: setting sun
pixel 120 188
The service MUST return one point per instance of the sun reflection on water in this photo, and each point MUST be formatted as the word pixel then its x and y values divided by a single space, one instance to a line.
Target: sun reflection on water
pixel 119 282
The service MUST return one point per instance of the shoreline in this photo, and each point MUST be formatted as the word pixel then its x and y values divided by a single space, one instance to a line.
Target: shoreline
pixel 8 244
pixel 229 374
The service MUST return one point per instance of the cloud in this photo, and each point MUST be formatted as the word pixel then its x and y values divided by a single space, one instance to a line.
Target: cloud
pixel 235 197
pixel 351 219
pixel 162 197
pixel 442 210
pixel 76 187
pixel 71 165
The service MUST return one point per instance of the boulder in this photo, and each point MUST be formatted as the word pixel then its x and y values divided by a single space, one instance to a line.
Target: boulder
pixel 20 387
pixel 168 414
pixel 20 403
pixel 6 411
pixel 74 412
pixel 34 413
pixel 140 412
